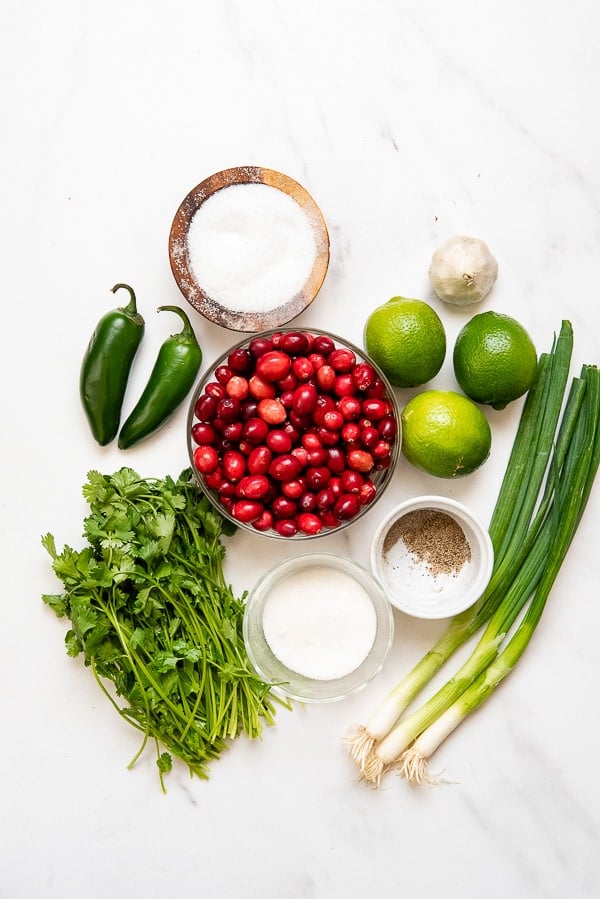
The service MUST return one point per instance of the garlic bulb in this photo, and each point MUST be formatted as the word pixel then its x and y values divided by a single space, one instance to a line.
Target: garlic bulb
pixel 463 271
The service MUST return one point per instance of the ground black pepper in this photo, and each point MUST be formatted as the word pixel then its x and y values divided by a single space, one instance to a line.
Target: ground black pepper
pixel 434 537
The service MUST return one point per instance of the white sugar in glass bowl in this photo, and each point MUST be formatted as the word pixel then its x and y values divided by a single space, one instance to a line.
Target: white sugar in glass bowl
pixel 433 557
pixel 318 626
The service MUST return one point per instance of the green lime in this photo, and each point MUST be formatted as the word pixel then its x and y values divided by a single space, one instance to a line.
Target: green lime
pixel 445 434
pixel 406 338
pixel 495 360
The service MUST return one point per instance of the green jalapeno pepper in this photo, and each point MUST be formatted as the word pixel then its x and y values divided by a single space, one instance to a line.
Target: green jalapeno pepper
pixel 171 379
pixel 106 366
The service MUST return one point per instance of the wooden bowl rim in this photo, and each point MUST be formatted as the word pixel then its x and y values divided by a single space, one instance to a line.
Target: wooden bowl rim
pixel 193 291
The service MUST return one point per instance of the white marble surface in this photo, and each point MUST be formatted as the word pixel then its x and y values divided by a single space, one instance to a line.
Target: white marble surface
pixel 408 122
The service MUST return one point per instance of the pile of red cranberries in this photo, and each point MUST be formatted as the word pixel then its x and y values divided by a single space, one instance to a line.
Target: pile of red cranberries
pixel 292 433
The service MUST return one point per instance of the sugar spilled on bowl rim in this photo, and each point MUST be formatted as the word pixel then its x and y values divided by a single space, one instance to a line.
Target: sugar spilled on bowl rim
pixel 249 248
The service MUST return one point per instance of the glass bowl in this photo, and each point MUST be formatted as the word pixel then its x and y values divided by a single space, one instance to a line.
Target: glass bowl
pixel 275 239
pixel 303 486
pixel 318 627
pixel 433 557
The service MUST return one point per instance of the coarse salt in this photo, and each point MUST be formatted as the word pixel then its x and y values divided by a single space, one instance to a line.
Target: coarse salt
pixel 251 247
pixel 320 623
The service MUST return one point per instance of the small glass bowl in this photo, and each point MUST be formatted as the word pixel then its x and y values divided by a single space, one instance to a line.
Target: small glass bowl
pixel 380 477
pixel 413 586
pixel 330 627
pixel 194 292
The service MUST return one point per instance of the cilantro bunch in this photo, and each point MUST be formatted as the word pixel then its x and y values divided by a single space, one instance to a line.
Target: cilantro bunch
pixel 155 620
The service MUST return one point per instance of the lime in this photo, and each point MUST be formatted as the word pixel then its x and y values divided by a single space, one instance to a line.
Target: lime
pixel 495 360
pixel 406 338
pixel 445 434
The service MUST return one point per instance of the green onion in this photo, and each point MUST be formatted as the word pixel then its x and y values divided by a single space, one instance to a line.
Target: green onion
pixel 572 493
pixel 573 467
pixel 513 528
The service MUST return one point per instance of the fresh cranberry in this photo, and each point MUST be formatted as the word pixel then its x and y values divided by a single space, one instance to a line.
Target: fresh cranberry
pixel 342 359
pixel 347 506
pixel 360 460
pixel 264 522
pixel 260 345
pixel 303 368
pixel 228 409
pixel 253 486
pixel 286 527
pixel 206 407
pixel 214 388
pixel 326 377
pixel 364 376
pixel 350 407
pixel 246 510
pixel 206 459
pixel 295 343
pixel 309 523
pixel 255 430
pixel 317 478
pixel 352 481
pixel 202 432
pixel 304 399
pixel 240 361
pixel 387 427
pixel 323 344
pixel 284 507
pixel 294 489
pixel 285 468
pixel 261 389
pixel 278 441
pixel 344 385
pixel 237 387
pixel 273 366
pixel 336 459
pixel 223 374
pixel 259 460
pixel 272 411
pixel 234 465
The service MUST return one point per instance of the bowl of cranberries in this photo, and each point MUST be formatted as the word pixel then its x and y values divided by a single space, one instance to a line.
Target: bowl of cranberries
pixel 293 433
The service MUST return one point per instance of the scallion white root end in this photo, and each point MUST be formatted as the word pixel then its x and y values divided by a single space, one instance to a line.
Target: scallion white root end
pixel 414 768
pixel 359 744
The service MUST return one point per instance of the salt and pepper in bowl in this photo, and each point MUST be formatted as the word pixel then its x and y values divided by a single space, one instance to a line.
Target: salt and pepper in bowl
pixel 433 557
pixel 249 248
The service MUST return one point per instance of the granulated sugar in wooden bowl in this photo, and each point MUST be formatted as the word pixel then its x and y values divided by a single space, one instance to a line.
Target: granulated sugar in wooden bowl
pixel 249 248
pixel 433 557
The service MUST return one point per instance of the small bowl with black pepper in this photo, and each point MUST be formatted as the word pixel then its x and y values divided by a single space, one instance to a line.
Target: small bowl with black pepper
pixel 433 557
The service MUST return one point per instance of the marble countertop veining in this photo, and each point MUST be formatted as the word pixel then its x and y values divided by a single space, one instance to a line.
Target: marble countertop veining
pixel 408 122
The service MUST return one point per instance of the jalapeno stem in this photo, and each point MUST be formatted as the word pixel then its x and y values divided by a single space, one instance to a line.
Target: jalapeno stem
pixel 131 307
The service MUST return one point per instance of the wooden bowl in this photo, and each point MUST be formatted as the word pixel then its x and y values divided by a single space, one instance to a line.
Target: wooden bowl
pixel 194 293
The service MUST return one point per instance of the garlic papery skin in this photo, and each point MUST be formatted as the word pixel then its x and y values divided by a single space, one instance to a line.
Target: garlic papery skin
pixel 463 271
